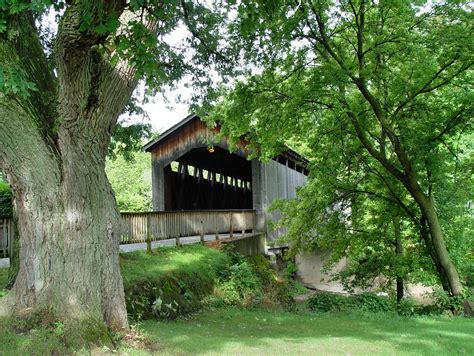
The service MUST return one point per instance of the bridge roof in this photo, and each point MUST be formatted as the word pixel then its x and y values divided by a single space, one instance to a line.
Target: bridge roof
pixel 165 139
pixel 153 143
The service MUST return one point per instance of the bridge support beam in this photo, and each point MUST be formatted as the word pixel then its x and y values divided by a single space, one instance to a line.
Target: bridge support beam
pixel 158 185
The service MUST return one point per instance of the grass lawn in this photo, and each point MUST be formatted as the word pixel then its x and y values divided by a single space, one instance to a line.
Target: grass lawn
pixel 141 266
pixel 3 277
pixel 230 331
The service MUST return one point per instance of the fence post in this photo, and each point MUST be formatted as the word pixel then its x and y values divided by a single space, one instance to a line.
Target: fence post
pixel 201 232
pixel 11 237
pixel 148 233
pixel 4 239
pixel 254 221
pixel 231 226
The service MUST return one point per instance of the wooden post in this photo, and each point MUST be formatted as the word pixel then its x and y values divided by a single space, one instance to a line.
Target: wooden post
pixel 4 239
pixel 201 232
pixel 148 233
pixel 231 226
pixel 11 236
pixel 183 172
pixel 254 221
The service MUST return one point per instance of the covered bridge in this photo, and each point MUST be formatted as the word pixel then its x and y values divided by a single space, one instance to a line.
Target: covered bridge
pixel 193 169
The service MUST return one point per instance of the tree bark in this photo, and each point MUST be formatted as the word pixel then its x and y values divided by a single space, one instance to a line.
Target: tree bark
pixel 53 149
pixel 428 210
pixel 69 248
pixel 68 225
pixel 424 233
pixel 399 253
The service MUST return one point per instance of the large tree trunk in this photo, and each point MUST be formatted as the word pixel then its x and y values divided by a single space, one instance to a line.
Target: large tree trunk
pixel 442 258
pixel 68 227
pixel 53 148
pixel 69 246
pixel 425 235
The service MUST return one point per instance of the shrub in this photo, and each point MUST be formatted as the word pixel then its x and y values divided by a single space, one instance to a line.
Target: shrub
pixel 407 307
pixel 241 287
pixel 250 282
pixel 443 302
pixel 370 302
pixel 289 273
pixel 6 207
pixel 169 282
pixel 365 302
pixel 276 293
pixel 328 302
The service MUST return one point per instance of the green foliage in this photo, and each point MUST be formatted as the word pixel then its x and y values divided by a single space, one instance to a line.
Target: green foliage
pixel 289 273
pixel 324 302
pixel 131 181
pixel 251 282
pixel 40 341
pixel 365 302
pixel 241 286
pixel 127 140
pixel 373 122
pixel 6 196
pixel 3 281
pixel 328 302
pixel 169 282
pixel 445 302
pixel 13 81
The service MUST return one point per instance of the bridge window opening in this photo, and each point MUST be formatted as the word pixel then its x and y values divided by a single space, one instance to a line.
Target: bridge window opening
pixel 203 180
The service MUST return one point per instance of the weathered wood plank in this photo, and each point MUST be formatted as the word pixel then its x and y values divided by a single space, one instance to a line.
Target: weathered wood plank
pixel 162 225
pixel 6 235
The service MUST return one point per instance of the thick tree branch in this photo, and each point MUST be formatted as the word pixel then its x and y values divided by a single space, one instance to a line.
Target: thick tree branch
pixel 27 120
pixel 26 45
pixel 373 152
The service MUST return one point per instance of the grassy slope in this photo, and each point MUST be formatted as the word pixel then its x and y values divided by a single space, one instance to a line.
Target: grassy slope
pixel 233 331
pixel 3 277
pixel 136 267
pixel 141 266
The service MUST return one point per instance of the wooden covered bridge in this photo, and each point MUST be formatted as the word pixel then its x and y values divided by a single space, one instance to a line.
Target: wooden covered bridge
pixel 201 190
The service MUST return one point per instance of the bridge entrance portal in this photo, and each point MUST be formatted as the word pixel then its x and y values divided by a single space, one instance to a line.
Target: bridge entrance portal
pixel 208 178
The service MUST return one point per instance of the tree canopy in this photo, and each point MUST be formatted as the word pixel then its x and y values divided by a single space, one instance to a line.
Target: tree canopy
pixel 380 96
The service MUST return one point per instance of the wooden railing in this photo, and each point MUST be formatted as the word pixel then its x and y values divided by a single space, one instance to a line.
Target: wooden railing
pixel 6 236
pixel 162 225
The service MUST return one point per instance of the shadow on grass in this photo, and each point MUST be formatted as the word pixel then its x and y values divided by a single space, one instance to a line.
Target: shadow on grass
pixel 234 331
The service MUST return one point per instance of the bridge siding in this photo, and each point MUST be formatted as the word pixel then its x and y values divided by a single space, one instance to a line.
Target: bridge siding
pixel 279 182
pixel 276 179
